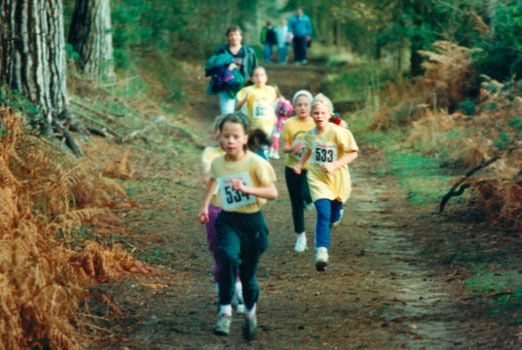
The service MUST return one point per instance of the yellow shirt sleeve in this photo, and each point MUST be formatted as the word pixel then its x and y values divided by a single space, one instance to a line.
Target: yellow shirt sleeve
pixel 264 172
pixel 346 141
pixel 241 94
pixel 209 154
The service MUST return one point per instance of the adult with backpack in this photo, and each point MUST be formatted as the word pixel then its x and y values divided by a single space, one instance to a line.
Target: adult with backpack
pixel 230 66
pixel 301 27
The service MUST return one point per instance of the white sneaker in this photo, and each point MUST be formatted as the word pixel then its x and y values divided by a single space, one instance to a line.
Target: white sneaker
pixel 275 155
pixel 336 223
pixel 321 259
pixel 300 243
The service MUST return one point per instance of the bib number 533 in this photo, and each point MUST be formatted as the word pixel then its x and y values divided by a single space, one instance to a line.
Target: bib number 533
pixel 324 153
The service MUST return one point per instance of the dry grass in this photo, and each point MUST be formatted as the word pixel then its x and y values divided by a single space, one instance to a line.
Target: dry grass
pixel 428 109
pixel 42 277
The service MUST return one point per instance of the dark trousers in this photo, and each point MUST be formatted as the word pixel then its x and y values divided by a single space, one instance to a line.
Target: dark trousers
pixel 299 48
pixel 242 239
pixel 299 194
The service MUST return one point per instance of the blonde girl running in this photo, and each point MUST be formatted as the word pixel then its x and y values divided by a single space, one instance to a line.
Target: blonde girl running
pixel 330 149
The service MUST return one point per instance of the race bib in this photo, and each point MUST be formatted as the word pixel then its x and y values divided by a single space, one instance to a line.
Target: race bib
pixel 324 152
pixel 233 199
pixel 299 155
pixel 260 110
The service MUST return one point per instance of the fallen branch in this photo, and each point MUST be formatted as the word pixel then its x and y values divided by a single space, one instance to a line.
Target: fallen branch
pixel 189 135
pixel 499 294
pixel 109 129
pixel 141 132
pixel 69 139
pixel 119 81
pixel 457 192
pixel 98 113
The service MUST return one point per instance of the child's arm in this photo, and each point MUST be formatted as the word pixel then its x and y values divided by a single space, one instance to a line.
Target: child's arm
pixel 294 148
pixel 346 159
pixel 302 161
pixel 241 102
pixel 203 213
pixel 206 174
pixel 268 192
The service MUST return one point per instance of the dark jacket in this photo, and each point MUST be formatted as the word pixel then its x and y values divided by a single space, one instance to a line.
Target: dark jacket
pixel 249 62
pixel 222 78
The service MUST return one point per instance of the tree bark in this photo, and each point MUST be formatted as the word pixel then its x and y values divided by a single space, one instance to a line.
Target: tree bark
pixel 90 35
pixel 33 53
pixel 416 42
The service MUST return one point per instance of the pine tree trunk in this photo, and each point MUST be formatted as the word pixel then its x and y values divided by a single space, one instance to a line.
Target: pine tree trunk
pixel 90 35
pixel 33 53
pixel 416 42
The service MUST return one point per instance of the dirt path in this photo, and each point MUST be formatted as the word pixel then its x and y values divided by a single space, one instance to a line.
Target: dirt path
pixel 378 292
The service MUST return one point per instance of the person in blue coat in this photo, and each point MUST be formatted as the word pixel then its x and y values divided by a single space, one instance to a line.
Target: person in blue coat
pixel 301 27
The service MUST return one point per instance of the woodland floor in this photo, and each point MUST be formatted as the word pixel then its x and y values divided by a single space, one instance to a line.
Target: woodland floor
pixel 384 289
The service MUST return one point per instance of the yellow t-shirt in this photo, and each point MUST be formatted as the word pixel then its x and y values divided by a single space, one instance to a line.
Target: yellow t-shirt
pixel 254 170
pixel 334 143
pixel 209 154
pixel 294 131
pixel 260 107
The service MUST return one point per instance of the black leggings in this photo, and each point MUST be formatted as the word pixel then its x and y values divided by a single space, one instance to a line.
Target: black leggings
pixel 299 194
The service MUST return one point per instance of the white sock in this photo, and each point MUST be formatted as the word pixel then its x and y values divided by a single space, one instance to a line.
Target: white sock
pixel 225 310
pixel 239 289
pixel 251 312
pixel 301 234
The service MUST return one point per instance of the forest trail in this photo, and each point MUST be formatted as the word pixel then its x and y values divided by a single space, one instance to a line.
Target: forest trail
pixel 378 292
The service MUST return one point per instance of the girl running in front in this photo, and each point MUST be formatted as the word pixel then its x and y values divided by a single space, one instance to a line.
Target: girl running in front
pixel 293 145
pixel 331 148
pixel 244 182
pixel 209 154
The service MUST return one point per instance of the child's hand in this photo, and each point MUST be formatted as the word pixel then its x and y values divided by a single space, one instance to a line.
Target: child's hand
pixel 298 147
pixel 328 168
pixel 232 66
pixel 203 216
pixel 238 185
pixel 297 169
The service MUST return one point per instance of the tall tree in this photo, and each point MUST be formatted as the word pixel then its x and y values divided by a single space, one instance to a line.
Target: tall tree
pixel 33 53
pixel 90 35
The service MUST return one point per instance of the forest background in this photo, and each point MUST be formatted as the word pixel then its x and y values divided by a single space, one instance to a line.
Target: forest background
pixel 436 84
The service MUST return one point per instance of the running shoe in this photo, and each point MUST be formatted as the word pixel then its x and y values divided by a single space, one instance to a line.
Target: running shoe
pixel 222 326
pixel 300 243
pixel 250 327
pixel 321 259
